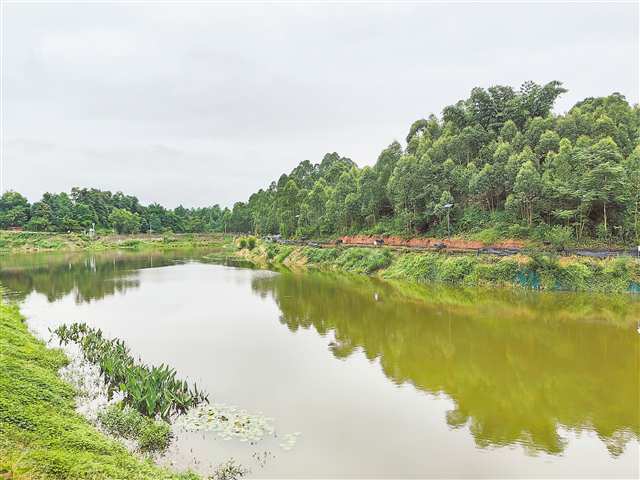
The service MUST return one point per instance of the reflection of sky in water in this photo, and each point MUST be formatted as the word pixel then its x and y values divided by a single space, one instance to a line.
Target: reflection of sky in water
pixel 432 381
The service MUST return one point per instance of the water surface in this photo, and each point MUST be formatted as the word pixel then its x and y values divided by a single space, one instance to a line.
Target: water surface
pixel 381 379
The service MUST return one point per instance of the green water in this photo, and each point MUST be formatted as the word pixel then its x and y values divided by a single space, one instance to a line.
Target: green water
pixel 382 379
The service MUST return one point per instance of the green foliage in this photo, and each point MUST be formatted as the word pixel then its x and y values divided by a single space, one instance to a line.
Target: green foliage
pixel 42 435
pixel 246 242
pixel 559 236
pixel 539 271
pixel 84 208
pixel 124 221
pixel 500 154
pixel 123 421
pixel 272 250
pixel 283 252
pixel 357 260
pixel 151 390
pixel 321 255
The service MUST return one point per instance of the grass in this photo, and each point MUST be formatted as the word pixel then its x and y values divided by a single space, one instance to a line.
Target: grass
pixel 14 242
pixel 41 435
pixel 536 271
pixel 123 421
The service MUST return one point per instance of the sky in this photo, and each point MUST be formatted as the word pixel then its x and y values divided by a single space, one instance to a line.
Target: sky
pixel 198 104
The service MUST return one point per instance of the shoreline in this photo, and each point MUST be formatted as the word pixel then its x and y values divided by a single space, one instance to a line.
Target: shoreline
pixel 43 434
pixel 533 272
pixel 33 242
pixel 132 445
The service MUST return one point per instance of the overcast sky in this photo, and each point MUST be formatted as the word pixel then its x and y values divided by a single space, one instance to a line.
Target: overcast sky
pixel 203 103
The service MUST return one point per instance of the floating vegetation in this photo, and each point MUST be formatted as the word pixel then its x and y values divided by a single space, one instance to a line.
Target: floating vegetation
pixel 227 422
pixel 152 391
pixel 289 440
pixel 230 470
pixel 133 402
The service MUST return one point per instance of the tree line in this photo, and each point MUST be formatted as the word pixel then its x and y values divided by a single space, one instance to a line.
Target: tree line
pixel 497 163
pixel 85 208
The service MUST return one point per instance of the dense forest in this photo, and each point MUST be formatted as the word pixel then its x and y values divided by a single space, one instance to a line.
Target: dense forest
pixel 499 164
pixel 507 164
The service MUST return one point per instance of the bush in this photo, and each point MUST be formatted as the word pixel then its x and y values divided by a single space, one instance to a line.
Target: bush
pixel 251 243
pixel 455 269
pixel 155 436
pixel 488 235
pixel 321 255
pixel 122 421
pixel 364 260
pixel 242 243
pixel 283 253
pixel 560 237
pixel 272 250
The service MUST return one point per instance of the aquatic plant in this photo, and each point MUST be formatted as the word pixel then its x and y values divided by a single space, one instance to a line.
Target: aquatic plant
pixel 230 470
pixel 125 422
pixel 43 436
pixel 152 391
pixel 227 422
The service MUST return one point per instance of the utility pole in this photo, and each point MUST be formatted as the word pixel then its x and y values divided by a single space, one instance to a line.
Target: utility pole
pixel 447 207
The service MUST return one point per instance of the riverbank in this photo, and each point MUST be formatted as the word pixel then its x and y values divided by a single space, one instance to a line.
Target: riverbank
pixel 25 242
pixel 41 434
pixel 539 272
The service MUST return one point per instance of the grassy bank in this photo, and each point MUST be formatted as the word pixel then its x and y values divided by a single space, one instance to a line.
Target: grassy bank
pixel 543 272
pixel 41 435
pixel 17 242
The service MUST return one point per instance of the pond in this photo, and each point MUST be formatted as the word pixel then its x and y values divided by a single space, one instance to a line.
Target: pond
pixel 365 378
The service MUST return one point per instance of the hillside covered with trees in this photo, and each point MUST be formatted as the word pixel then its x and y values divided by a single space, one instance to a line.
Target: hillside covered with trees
pixel 507 164
pixel 510 167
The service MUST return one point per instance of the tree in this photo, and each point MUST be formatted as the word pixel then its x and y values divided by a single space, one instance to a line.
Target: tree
pixel 527 191
pixel 14 210
pixel 123 221
pixel 604 185
pixel 41 217
pixel 632 167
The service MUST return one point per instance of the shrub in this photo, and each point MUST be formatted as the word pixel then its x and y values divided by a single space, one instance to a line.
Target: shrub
pixel 283 253
pixel 123 421
pixel 321 255
pixel 488 235
pixel 272 250
pixel 364 260
pixel 455 269
pixel 155 436
pixel 242 243
pixel 560 237
pixel 251 243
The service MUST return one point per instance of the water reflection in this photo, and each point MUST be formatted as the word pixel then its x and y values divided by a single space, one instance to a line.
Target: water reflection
pixel 519 367
pixel 89 276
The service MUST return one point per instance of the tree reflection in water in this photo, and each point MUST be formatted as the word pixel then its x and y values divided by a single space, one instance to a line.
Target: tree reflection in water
pixel 90 276
pixel 519 366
